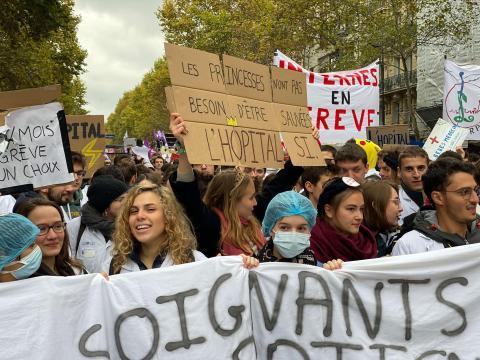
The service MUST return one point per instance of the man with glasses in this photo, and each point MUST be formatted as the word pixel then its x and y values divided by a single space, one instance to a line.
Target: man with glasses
pixel 451 187
pixel 71 198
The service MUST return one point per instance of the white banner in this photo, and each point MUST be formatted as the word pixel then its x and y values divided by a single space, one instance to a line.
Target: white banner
pixel 444 136
pixel 423 306
pixel 461 97
pixel 35 152
pixel 342 104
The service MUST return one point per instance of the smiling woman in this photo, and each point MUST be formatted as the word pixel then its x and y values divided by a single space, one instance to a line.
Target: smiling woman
pixel 152 231
pixel 52 238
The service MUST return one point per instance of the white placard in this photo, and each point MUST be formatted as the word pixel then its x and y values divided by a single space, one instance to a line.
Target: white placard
pixel 341 104
pixel 461 97
pixel 444 136
pixel 405 306
pixel 35 153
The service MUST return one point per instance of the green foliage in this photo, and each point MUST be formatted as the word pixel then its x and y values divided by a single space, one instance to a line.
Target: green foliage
pixel 142 109
pixel 39 47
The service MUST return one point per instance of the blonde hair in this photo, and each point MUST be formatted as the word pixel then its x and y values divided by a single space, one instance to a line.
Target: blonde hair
pixel 179 239
pixel 224 193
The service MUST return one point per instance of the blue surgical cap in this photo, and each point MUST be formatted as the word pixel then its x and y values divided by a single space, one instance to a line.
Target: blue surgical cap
pixel 288 203
pixel 16 234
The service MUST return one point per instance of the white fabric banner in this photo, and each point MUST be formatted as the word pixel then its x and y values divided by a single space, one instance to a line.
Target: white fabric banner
pixel 423 306
pixel 461 97
pixel 342 104
pixel 35 153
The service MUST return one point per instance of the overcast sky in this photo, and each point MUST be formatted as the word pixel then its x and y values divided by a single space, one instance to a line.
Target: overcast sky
pixel 123 39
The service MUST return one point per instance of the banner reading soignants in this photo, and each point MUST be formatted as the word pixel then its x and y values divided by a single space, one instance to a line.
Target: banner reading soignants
pixel 461 97
pixel 342 104
pixel 422 306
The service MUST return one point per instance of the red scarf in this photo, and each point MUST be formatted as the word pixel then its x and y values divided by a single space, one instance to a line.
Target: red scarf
pixel 328 244
pixel 228 247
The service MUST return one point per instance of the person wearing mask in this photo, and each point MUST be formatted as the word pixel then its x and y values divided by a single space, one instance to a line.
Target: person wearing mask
pixel 227 221
pixel 451 187
pixel 412 164
pixel 52 238
pixel 72 208
pixel 287 224
pixel 91 234
pixel 339 232
pixel 351 161
pixel 381 213
pixel 20 257
pixel 313 180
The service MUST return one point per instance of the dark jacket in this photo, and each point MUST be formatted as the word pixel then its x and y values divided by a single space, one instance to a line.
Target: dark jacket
pixel 206 222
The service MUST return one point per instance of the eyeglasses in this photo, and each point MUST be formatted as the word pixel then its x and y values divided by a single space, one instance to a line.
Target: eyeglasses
pixel 80 173
pixel 58 227
pixel 465 193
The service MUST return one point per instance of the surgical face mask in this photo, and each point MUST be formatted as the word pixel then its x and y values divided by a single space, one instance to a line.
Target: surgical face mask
pixel 290 243
pixel 31 263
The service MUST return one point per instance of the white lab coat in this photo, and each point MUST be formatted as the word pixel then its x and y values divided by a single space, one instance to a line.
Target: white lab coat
pixel 408 205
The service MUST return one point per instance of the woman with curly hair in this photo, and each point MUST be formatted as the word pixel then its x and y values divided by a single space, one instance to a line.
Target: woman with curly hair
pixel 52 238
pixel 152 231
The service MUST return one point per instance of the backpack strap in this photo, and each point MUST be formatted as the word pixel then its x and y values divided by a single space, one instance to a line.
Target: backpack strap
pixel 79 236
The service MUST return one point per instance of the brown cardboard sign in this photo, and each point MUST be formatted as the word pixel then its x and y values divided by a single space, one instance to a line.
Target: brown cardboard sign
pixel 293 118
pixel 194 68
pixel 87 136
pixel 247 79
pixel 201 106
pixel 228 145
pixel 303 149
pixel 288 87
pixel 252 113
pixel 170 100
pixel 29 97
pixel 388 134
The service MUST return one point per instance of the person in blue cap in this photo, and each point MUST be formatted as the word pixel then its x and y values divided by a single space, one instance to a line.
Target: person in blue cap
pixel 19 256
pixel 288 221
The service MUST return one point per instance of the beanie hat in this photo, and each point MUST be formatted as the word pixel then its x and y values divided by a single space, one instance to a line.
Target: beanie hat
pixel 103 190
pixel 334 187
pixel 16 234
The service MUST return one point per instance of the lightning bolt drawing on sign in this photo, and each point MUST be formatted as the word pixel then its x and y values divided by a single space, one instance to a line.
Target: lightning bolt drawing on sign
pixel 90 153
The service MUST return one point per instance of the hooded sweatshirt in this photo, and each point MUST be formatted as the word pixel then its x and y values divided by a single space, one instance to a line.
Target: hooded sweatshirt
pixel 427 236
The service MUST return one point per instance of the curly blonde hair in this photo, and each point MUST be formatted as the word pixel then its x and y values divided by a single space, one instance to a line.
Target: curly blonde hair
pixel 179 239
pixel 224 193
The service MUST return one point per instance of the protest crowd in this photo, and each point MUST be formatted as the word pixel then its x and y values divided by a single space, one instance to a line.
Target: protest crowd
pixel 144 210
pixel 364 203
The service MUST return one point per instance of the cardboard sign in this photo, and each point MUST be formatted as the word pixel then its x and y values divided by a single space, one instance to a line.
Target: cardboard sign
pixel 194 68
pixel 388 134
pixel 288 87
pixel 342 104
pixel 201 106
pixel 87 136
pixel 37 150
pixel 461 94
pixel 293 118
pixel 444 136
pixel 29 97
pixel 303 149
pixel 247 79
pixel 252 113
pixel 229 145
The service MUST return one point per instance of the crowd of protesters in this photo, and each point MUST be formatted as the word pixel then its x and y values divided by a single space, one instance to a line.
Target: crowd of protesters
pixel 364 203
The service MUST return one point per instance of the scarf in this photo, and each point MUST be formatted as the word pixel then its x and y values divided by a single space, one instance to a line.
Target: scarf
pixel 228 247
pixel 328 244
pixel 95 221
